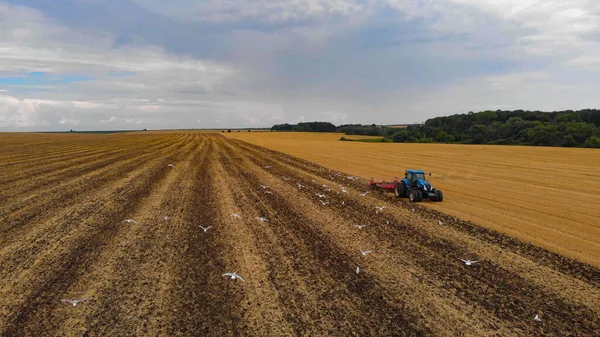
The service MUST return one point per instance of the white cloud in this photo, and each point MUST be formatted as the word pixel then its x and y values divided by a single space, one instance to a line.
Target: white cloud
pixel 108 121
pixel 67 121
pixel 87 105
pixel 514 80
pixel 264 62
pixel 586 61
pixel 149 108
pixel 220 11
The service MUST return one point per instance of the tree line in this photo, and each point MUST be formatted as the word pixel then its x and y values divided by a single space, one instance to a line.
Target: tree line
pixel 559 128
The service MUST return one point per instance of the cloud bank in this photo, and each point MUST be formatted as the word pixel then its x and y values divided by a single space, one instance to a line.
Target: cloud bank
pixel 132 64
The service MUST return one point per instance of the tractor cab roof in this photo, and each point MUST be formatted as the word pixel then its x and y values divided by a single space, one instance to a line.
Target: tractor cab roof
pixel 415 171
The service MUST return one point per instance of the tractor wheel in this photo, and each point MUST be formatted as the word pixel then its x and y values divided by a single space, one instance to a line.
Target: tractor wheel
pixel 400 190
pixel 433 197
pixel 415 196
pixel 439 195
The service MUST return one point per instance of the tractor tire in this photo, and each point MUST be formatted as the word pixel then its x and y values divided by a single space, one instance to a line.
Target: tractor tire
pixel 433 197
pixel 439 195
pixel 415 196
pixel 400 190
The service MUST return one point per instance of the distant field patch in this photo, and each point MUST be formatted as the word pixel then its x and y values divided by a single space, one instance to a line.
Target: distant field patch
pixel 544 195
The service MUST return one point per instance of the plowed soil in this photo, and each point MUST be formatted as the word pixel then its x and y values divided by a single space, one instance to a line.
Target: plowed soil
pixel 64 199
pixel 547 196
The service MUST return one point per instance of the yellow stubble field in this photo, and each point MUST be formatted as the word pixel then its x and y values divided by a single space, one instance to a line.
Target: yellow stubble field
pixel 547 196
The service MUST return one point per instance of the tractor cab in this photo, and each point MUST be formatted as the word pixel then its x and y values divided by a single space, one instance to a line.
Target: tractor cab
pixel 416 187
pixel 414 176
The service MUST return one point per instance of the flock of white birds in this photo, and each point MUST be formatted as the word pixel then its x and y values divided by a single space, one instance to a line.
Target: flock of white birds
pixel 235 276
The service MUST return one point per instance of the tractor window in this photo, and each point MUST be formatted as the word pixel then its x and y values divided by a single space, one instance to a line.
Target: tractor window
pixel 418 176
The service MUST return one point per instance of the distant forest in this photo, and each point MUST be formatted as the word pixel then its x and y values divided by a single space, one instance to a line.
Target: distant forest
pixel 560 128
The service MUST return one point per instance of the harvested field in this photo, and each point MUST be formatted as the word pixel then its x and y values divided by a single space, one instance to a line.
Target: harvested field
pixel 542 195
pixel 63 204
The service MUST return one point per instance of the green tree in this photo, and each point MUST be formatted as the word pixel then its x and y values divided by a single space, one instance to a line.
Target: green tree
pixel 486 117
pixel 444 137
pixel 544 135
pixel 593 142
pixel 402 136
pixel 580 131
pixel 569 141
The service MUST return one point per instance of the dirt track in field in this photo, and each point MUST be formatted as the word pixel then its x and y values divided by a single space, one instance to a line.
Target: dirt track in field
pixel 62 237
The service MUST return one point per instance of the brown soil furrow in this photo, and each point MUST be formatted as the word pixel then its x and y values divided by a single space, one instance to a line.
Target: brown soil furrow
pixel 52 153
pixel 124 285
pixel 24 246
pixel 55 147
pixel 62 237
pixel 280 254
pixel 71 258
pixel 261 306
pixel 198 301
pixel 50 172
pixel 20 218
pixel 506 294
pixel 519 297
pixel 565 265
pixel 315 254
pixel 58 152
pixel 35 187
pixel 568 287
pixel 391 269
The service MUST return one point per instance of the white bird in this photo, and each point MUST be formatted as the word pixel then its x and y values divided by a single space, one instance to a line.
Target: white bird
pixel 344 190
pixel 235 215
pixel 260 218
pixel 234 276
pixel 360 226
pixel 537 318
pixel 357 270
pixel 440 222
pixel 363 194
pixel 263 186
pixel 328 190
pixel 366 252
pixel 324 186
pixel 74 302
pixel 320 195
pixel 129 220
pixel 166 217
pixel 380 207
pixel 286 178
pixel 324 202
pixel 313 181
pixel 343 203
pixel 171 165
pixel 414 210
pixel 299 185
pixel 205 229
pixel 268 166
pixel 469 262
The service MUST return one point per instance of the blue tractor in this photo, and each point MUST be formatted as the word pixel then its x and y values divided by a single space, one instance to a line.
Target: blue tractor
pixel 416 188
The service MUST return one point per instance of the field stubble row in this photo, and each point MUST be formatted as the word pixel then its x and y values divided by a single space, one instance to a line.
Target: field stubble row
pixel 546 196
pixel 162 276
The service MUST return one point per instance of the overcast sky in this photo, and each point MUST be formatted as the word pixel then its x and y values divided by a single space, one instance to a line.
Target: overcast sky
pixel 132 64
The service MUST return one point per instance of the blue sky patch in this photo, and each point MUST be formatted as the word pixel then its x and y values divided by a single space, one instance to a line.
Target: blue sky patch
pixel 41 78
